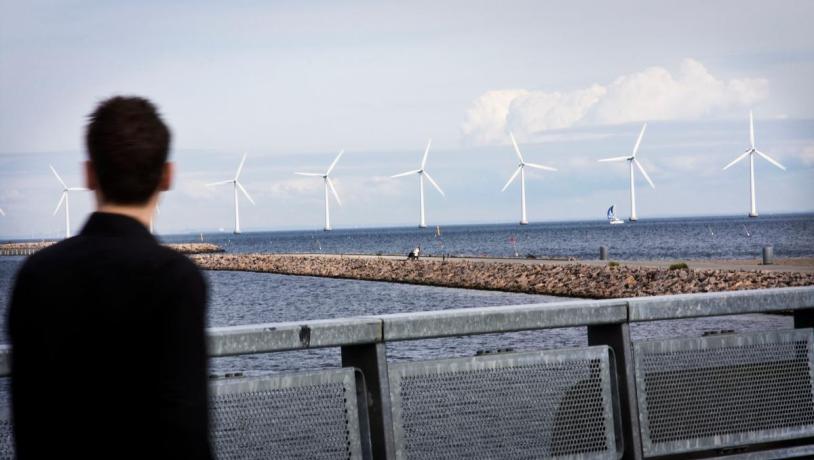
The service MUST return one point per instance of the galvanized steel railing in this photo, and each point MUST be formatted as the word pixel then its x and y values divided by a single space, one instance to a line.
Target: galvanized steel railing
pixel 363 342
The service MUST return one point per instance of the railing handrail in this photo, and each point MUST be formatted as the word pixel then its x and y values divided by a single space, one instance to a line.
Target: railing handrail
pixel 274 337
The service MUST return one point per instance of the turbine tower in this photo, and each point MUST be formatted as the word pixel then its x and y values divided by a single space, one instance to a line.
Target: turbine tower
pixel 152 217
pixel 750 152
pixel 328 185
pixel 237 185
pixel 64 199
pixel 633 161
pixel 422 172
pixel 521 170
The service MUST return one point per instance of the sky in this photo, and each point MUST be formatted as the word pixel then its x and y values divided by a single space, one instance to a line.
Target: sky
pixel 291 83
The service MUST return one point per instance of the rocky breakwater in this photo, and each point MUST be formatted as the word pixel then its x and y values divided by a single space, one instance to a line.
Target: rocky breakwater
pixel 572 280
pixel 195 248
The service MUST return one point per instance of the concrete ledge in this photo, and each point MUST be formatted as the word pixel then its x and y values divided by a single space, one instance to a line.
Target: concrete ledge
pixel 262 338
pixel 720 303
pixel 470 321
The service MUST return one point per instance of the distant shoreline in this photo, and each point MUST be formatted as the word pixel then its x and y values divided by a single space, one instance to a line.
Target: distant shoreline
pixel 28 248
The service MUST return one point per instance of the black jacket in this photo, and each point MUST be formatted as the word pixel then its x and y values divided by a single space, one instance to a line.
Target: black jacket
pixel 108 348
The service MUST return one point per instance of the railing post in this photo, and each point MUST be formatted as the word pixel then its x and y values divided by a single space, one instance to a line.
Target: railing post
pixel 371 359
pixel 617 336
pixel 804 318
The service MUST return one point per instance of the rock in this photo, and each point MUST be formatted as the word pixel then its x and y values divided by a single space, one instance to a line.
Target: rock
pixel 570 280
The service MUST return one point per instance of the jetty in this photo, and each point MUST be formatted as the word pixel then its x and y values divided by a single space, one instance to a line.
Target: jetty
pixel 592 279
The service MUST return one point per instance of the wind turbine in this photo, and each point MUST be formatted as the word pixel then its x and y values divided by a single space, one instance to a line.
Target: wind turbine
pixel 633 161
pixel 328 185
pixel 237 185
pixel 2 213
pixel 750 152
pixel 152 218
pixel 521 169
pixel 64 199
pixel 422 223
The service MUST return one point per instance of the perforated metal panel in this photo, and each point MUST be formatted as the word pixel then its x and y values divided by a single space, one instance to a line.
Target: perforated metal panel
pixel 6 435
pixel 311 415
pixel 508 405
pixel 731 390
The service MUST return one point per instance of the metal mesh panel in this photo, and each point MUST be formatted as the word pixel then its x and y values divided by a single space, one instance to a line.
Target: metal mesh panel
pixel 508 405
pixel 711 392
pixel 6 436
pixel 294 416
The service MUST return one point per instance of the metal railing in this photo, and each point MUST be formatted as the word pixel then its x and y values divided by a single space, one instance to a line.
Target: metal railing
pixel 633 385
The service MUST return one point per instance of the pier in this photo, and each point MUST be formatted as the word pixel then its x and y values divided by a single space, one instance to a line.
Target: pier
pixel 728 395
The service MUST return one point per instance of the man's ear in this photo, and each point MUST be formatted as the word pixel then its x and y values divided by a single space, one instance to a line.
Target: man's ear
pixel 167 173
pixel 90 176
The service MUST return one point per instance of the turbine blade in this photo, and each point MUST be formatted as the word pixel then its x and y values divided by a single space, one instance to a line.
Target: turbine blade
pixel 770 160
pixel 406 173
pixel 639 140
pixel 644 173
pixel 752 130
pixel 333 190
pixel 240 186
pixel 309 174
pixel 57 175
pixel 61 200
pixel 434 184
pixel 240 167
pixel 220 183
pixel 615 159
pixel 741 157
pixel 426 154
pixel 331 168
pixel 511 179
pixel 157 209
pixel 78 189
pixel 535 165
pixel 2 213
pixel 516 148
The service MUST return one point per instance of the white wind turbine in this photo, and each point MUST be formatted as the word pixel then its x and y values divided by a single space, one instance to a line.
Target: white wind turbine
pixel 633 161
pixel 152 218
pixel 750 152
pixel 422 223
pixel 328 185
pixel 521 170
pixel 64 199
pixel 237 185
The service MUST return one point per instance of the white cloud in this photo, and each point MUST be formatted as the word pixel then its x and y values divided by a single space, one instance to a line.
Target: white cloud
pixel 297 187
pixel 807 155
pixel 652 94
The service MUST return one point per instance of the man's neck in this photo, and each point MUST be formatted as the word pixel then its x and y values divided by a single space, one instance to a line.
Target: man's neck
pixel 142 213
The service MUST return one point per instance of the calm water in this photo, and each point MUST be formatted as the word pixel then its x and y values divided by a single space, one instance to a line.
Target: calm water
pixel 246 298
pixel 686 238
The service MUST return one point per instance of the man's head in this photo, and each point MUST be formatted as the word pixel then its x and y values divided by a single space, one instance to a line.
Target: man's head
pixel 128 145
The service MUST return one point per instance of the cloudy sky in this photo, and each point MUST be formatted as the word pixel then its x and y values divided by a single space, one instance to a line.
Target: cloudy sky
pixel 291 83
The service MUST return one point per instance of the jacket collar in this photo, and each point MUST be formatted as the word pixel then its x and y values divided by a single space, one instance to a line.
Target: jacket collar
pixel 109 224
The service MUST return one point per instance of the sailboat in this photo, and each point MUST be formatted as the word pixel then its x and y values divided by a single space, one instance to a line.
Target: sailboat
pixel 612 219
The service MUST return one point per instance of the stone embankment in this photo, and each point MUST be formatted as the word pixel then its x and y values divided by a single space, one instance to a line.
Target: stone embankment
pixel 28 248
pixel 572 280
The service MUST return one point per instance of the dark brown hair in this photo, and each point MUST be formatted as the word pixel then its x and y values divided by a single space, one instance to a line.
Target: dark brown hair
pixel 128 144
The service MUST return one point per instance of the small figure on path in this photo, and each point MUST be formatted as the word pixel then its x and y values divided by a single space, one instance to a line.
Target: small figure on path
pixel 413 255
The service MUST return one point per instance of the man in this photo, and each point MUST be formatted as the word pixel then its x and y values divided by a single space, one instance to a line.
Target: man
pixel 107 328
